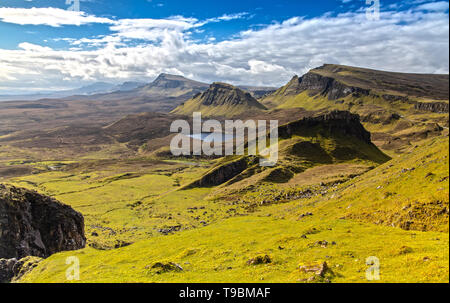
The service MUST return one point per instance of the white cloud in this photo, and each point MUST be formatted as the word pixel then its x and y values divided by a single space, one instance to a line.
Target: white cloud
pixel 33 47
pixel 407 41
pixel 226 17
pixel 434 6
pixel 152 29
pixel 47 16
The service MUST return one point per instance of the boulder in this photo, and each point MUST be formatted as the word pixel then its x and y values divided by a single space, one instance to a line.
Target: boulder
pixel 6 269
pixel 13 269
pixel 261 259
pixel 32 224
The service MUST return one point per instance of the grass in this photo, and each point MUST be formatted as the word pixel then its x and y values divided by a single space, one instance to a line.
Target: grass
pixel 228 110
pixel 219 253
pixel 410 192
pixel 111 200
pixel 142 224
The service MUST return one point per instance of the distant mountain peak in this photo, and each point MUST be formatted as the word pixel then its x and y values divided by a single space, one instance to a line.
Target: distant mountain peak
pixel 168 81
pixel 222 85
pixel 165 76
pixel 221 99
pixel 220 93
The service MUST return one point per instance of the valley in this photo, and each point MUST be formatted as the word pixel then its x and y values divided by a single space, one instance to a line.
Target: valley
pixel 362 172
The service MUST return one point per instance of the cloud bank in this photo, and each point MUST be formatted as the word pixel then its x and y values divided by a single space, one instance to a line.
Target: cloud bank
pixel 413 40
pixel 50 16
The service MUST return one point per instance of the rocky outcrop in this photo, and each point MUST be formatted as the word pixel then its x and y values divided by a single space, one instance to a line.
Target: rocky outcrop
pixel 394 98
pixel 380 117
pixel 435 107
pixel 341 122
pixel 226 94
pixel 318 84
pixel 224 172
pixel 6 269
pixel 220 100
pixel 13 269
pixel 35 225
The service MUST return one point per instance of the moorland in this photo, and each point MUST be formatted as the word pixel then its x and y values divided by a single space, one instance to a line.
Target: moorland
pixel 362 172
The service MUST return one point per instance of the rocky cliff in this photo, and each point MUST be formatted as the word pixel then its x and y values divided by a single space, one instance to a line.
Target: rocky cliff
pixel 222 93
pixel 334 122
pixel 317 84
pixel 435 107
pixel 224 172
pixel 220 99
pixel 35 225
pixel 13 269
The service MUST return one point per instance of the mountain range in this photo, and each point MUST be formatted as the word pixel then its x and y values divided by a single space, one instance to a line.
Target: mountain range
pixel 94 88
pixel 164 94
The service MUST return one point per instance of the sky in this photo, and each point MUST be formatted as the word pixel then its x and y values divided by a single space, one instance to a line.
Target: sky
pixel 51 45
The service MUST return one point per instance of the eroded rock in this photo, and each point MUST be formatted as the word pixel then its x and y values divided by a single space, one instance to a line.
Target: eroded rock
pixel 13 269
pixel 261 259
pixel 35 225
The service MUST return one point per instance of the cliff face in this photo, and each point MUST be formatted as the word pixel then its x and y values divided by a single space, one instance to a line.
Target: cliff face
pixel 335 122
pixel 435 107
pixel 224 172
pixel 13 269
pixel 226 94
pixel 35 225
pixel 318 84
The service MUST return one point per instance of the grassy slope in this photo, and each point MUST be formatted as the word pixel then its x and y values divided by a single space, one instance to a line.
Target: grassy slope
pixel 194 105
pixel 219 251
pixel 111 196
pixel 412 187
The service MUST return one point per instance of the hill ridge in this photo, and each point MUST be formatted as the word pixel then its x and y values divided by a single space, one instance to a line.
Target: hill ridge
pixel 220 99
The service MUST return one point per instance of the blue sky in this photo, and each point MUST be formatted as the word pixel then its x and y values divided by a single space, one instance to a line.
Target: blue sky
pixel 44 46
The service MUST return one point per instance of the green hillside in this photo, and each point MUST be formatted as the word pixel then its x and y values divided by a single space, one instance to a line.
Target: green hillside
pixel 329 225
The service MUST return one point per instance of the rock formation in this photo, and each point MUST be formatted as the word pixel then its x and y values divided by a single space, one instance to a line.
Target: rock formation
pixel 222 93
pixel 35 225
pixel 342 122
pixel 317 84
pixel 435 107
pixel 220 99
pixel 223 173
pixel 13 269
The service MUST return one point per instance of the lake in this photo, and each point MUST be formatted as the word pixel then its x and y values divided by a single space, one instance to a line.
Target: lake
pixel 210 137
